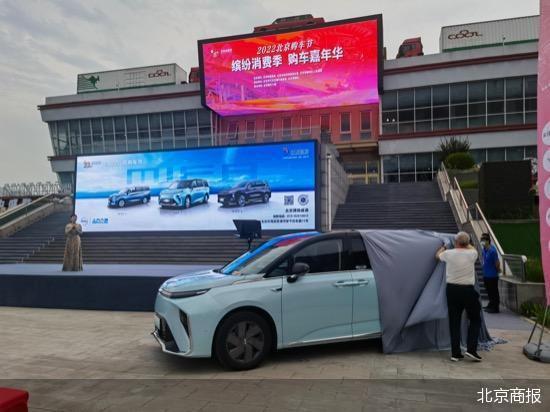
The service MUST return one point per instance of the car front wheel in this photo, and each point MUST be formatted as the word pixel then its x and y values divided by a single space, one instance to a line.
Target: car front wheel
pixel 145 200
pixel 205 200
pixel 241 200
pixel 121 203
pixel 266 197
pixel 187 203
pixel 243 341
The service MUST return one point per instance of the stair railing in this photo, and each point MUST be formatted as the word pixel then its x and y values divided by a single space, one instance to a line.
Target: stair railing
pixel 512 265
pixel 25 210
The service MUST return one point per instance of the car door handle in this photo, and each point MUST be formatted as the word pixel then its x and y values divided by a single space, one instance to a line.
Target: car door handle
pixel 362 282
pixel 343 283
pixel 276 289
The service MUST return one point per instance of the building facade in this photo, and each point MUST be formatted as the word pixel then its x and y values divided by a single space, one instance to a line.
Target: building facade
pixel 485 93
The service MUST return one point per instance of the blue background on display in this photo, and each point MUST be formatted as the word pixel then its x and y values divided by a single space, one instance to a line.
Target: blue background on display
pixel 285 166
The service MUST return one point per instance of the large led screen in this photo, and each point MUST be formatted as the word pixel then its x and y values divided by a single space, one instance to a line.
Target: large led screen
pixel 336 64
pixel 198 189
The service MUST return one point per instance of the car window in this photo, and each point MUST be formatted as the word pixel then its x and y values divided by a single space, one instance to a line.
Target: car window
pixel 322 256
pixel 358 257
pixel 281 270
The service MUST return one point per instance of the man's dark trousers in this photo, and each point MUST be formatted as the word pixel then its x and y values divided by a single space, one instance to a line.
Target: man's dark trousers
pixel 491 284
pixel 460 298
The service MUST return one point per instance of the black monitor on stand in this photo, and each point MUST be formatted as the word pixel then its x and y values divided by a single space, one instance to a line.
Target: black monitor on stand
pixel 248 229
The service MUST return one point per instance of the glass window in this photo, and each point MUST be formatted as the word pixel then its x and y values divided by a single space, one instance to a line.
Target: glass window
pixel 441 112
pixel 63 137
pixel 424 162
pixel 322 256
pixel 179 120
pixel 120 134
pixel 530 86
pixel 423 114
pixel 423 96
pixel 131 132
pixel 154 123
pixel 458 123
pixel 407 127
pixel 514 88
pixel 406 99
pixel 406 115
pixel 204 118
pixel 406 163
pixel 109 134
pixel 530 152
pixel 497 154
pixel 97 135
pixel 389 128
pixel 476 109
pixel 74 129
pixel 478 155
pixel 358 258
pixel 514 153
pixel 514 118
pixel 268 128
pixel 476 91
pixel 531 105
pixel 458 93
pixel 495 89
pixel 390 164
pixel 459 110
pixel 306 125
pixel 143 132
pixel 345 122
pixel 250 129
pixel 514 106
pixel 495 107
pixel 389 100
pixel 86 136
pixel 287 126
pixel 441 124
pixel 440 95
pixel 365 120
pixel 191 124
pixel 495 120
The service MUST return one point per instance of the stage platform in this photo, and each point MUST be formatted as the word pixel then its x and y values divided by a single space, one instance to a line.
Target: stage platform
pixel 99 286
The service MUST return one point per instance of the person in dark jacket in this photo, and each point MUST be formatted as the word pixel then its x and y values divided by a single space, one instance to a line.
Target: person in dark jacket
pixel 491 270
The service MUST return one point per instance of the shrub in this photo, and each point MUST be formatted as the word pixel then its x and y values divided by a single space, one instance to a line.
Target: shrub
pixel 453 145
pixel 460 161
pixel 533 270
pixel 535 311
pixel 468 184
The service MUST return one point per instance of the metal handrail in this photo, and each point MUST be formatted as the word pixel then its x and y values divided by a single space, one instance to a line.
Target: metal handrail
pixel 16 213
pixel 512 265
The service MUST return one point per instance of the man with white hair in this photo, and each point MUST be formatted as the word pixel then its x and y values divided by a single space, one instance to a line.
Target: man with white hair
pixel 461 294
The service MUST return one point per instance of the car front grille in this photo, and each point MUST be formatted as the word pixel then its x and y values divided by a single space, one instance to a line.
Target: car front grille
pixel 164 331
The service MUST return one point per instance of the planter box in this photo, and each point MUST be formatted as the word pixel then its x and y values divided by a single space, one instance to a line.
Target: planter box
pixel 513 292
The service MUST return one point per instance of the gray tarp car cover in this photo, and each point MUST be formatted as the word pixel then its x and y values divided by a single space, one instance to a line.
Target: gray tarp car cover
pixel 411 289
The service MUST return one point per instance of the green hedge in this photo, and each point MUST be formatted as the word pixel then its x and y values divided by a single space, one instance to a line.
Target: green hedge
pixel 459 161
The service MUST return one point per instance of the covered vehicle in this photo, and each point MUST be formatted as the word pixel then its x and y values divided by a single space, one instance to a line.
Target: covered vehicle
pixel 129 195
pixel 185 193
pixel 246 192
pixel 309 288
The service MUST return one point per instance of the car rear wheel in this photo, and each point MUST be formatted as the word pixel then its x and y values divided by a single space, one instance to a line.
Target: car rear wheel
pixel 243 341
pixel 266 197
pixel 187 203
pixel 241 200
pixel 121 203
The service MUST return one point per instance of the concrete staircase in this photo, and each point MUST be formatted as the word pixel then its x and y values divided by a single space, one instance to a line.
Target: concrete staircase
pixel 395 206
pixel 149 248
pixel 24 244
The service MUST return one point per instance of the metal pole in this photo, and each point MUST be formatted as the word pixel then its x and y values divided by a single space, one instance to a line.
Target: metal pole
pixel 542 326
pixel 329 196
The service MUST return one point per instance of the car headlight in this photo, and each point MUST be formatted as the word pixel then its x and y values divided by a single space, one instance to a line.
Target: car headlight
pixel 184 294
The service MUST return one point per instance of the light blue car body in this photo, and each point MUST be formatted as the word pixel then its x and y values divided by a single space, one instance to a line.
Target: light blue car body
pixel 197 190
pixel 318 308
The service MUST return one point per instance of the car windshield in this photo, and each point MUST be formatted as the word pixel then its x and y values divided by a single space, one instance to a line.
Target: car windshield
pixel 123 191
pixel 257 260
pixel 180 185
pixel 242 184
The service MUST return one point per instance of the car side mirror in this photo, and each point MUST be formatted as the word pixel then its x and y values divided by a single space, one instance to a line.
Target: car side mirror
pixel 298 269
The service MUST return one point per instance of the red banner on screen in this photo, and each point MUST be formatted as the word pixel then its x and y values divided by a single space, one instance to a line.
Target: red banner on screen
pixel 329 66
pixel 543 122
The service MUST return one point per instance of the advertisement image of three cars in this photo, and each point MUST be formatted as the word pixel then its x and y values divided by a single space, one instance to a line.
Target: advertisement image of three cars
pixel 183 194
pixel 198 189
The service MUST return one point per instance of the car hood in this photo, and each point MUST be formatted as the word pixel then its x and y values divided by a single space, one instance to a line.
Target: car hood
pixel 227 192
pixel 206 279
pixel 170 192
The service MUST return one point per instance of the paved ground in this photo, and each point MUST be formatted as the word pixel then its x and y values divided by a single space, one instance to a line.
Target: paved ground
pixel 98 355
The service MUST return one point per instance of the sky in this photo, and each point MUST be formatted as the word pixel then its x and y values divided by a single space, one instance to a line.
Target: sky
pixel 44 44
